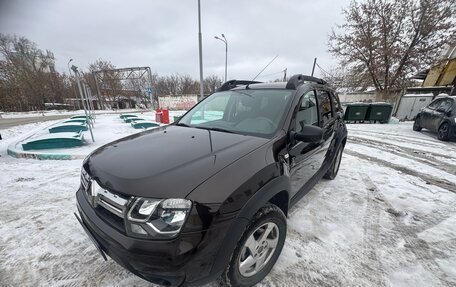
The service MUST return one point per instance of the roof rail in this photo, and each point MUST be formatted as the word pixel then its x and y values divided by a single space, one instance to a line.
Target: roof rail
pixel 296 80
pixel 234 83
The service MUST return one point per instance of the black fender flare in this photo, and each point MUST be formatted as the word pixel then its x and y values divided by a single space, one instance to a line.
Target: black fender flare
pixel 241 221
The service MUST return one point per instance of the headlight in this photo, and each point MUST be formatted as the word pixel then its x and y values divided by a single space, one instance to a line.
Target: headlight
pixel 158 218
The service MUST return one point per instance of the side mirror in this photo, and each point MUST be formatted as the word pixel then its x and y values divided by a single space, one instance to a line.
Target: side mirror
pixel 309 134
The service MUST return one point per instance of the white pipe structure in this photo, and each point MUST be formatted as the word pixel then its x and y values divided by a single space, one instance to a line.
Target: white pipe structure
pixel 76 75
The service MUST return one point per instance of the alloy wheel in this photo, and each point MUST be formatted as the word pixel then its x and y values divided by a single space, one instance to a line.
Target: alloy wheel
pixel 258 249
pixel 443 131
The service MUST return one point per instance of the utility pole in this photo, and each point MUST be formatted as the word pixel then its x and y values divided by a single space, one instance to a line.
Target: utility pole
pixel 200 52
pixel 285 75
pixel 313 67
pixel 76 75
pixel 224 40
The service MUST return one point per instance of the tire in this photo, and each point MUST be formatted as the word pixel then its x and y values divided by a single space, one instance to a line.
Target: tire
pixel 417 124
pixel 443 132
pixel 334 168
pixel 252 250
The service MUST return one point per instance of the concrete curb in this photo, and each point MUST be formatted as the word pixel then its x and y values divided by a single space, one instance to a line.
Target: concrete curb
pixel 13 151
pixel 42 156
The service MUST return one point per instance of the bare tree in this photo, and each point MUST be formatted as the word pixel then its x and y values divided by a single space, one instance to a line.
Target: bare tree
pixel 176 84
pixel 382 42
pixel 211 84
pixel 27 76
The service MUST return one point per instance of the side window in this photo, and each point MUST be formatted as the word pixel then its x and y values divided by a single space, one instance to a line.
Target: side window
pixel 445 105
pixel 435 104
pixel 307 113
pixel 336 103
pixel 324 103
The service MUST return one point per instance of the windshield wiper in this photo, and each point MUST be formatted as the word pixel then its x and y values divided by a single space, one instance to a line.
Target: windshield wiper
pixel 216 129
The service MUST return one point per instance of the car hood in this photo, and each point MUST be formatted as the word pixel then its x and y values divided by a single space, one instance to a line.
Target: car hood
pixel 167 162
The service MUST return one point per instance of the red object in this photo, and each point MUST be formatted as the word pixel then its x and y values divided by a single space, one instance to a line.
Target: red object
pixel 162 116
pixel 165 116
pixel 158 116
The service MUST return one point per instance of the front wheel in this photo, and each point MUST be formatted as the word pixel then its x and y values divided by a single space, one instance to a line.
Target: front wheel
pixel 258 249
pixel 443 133
pixel 417 124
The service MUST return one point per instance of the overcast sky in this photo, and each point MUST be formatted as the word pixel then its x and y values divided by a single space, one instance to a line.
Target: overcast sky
pixel 164 34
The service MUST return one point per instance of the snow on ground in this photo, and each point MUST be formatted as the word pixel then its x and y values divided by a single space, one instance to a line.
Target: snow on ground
pixel 388 219
pixel 107 128
pixel 12 115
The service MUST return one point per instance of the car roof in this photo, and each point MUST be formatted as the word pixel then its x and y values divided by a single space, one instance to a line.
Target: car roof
pixel 275 85
pixel 445 97
pixel 294 83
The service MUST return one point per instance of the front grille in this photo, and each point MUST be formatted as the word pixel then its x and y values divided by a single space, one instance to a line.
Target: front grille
pixel 85 179
pixel 110 207
pixel 115 221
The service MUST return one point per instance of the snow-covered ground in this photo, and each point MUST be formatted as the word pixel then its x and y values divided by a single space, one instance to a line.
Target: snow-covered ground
pixel 12 115
pixel 107 128
pixel 388 219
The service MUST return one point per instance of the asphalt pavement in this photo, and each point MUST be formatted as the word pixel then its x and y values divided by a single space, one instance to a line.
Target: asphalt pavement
pixel 11 122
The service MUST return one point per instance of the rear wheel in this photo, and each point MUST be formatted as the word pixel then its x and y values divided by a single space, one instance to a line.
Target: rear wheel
pixel 258 249
pixel 417 124
pixel 443 133
pixel 334 169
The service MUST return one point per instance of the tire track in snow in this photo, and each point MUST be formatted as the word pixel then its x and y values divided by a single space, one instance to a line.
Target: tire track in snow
pixel 430 142
pixel 371 230
pixel 419 247
pixel 442 183
pixel 430 148
pixel 406 152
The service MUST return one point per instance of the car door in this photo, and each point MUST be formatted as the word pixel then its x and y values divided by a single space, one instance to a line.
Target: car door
pixel 301 154
pixel 427 113
pixel 439 113
pixel 329 120
pixel 306 159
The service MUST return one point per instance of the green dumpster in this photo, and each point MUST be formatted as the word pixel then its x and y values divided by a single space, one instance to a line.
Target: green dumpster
pixel 52 141
pixel 356 112
pixel 143 124
pixel 68 127
pixel 176 118
pixel 379 112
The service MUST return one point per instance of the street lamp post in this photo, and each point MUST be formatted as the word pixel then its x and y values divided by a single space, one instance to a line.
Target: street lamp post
pixel 223 39
pixel 69 76
pixel 200 45
pixel 76 75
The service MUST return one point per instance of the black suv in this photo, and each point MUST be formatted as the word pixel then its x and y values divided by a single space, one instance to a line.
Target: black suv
pixel 207 197
pixel 439 116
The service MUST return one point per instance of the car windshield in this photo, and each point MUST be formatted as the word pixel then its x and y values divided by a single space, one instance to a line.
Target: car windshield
pixel 253 112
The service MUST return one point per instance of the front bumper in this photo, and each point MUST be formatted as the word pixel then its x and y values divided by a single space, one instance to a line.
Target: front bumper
pixel 185 260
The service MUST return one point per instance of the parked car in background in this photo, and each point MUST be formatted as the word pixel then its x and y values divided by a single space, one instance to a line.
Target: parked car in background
pixel 439 116
pixel 207 197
